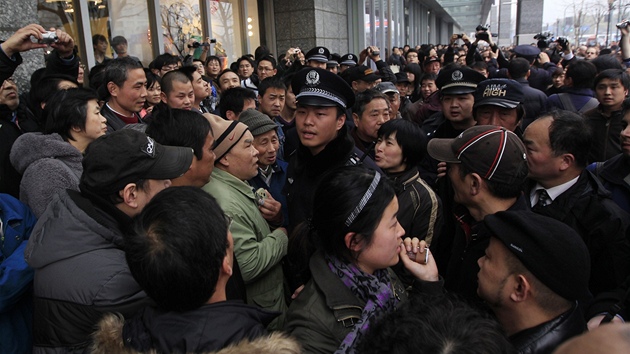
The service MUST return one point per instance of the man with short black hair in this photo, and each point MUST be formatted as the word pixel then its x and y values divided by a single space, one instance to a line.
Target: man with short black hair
pixel 119 43
pixel 370 111
pixel 76 249
pixel 606 120
pixel 535 101
pixel 177 90
pixel 577 95
pixel 559 187
pixel 99 44
pixel 236 100
pixel 532 275
pixel 186 277
pixel 125 81
pixel 267 67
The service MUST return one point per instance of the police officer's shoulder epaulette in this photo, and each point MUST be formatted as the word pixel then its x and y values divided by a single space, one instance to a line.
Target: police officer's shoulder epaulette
pixel 353 160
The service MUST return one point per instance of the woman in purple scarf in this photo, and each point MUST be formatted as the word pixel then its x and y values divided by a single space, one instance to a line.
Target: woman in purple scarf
pixel 356 238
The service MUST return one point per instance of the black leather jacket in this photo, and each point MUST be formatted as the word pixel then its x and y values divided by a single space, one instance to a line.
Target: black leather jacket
pixel 546 337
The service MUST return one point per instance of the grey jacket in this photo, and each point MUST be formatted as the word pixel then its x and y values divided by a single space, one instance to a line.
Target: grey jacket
pixel 80 272
pixel 48 165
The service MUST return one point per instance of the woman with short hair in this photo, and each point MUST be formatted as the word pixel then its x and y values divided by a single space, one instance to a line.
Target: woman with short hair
pixel 50 162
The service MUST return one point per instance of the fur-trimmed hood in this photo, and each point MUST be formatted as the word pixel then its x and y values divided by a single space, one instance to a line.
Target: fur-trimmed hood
pixel 109 339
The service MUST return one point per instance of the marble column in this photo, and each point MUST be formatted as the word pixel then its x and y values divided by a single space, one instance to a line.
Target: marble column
pixel 12 18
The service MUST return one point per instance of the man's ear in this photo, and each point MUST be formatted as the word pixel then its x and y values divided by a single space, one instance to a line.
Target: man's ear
pixel 522 288
pixel 568 160
pixel 112 88
pixel 230 115
pixel 353 241
pixel 224 161
pixel 476 183
pixel 355 118
pixel 341 120
pixel 129 194
pixel 163 97
pixel 226 267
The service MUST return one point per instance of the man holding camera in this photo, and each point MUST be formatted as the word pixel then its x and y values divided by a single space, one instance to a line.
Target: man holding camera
pixel 538 78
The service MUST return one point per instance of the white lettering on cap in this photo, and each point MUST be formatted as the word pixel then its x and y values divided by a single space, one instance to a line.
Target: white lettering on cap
pixel 457 75
pixel 516 247
pixel 149 149
pixel 312 78
pixel 495 90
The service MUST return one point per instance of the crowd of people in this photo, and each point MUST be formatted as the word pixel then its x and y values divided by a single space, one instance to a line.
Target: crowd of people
pixel 459 198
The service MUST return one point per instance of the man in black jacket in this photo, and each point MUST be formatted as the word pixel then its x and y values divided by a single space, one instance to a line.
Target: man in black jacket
pixel 186 277
pixel 324 144
pixel 487 176
pixel 561 188
pixel 532 274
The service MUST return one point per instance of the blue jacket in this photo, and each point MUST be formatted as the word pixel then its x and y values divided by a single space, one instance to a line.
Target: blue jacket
pixel 16 277
pixel 275 186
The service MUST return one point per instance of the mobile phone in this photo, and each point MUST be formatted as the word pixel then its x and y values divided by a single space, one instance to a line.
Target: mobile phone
pixel 413 256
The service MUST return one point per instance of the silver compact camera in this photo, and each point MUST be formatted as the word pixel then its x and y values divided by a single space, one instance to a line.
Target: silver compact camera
pixel 49 37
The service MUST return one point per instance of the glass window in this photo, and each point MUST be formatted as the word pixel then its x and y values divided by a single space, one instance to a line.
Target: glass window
pixel 226 28
pixel 181 21
pixel 368 25
pixel 130 20
pixel 58 14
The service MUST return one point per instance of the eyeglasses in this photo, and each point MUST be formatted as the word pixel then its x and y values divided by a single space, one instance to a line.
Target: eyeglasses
pixel 228 220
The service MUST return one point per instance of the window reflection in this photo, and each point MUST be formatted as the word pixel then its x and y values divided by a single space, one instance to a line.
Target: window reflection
pixel 181 21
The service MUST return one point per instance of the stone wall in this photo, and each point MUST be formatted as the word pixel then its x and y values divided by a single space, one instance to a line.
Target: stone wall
pixel 309 23
pixel 12 18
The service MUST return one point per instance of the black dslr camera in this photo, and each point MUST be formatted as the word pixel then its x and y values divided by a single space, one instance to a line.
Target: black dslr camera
pixel 563 42
pixel 544 39
pixel 482 33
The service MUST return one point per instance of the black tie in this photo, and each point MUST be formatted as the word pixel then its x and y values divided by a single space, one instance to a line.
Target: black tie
pixel 543 198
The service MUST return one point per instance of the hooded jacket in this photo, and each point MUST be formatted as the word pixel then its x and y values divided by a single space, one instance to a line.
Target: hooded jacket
pixel 80 271
pixel 48 165
pixel 209 327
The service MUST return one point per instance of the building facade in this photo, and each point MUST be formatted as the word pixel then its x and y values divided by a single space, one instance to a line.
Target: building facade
pixel 152 27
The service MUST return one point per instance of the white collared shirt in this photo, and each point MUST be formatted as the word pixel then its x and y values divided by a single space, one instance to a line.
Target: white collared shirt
pixel 554 192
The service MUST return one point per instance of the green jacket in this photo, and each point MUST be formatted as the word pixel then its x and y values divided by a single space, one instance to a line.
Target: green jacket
pixel 326 310
pixel 257 249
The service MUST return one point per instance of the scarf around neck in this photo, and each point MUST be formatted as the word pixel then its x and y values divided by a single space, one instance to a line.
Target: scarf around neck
pixel 375 290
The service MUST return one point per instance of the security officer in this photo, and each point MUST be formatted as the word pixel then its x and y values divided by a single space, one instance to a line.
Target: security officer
pixel 324 144
pixel 317 57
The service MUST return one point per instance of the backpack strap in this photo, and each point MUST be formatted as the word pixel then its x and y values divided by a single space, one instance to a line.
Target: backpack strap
pixel 592 103
pixel 566 102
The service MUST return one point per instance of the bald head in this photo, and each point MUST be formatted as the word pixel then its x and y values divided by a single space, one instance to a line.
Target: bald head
pixel 611 338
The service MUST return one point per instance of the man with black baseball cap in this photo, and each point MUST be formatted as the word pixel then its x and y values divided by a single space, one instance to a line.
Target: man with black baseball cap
pixel 317 57
pixel 532 275
pixel 486 167
pixel 76 248
pixel 361 78
pixel 324 144
pixel 498 102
